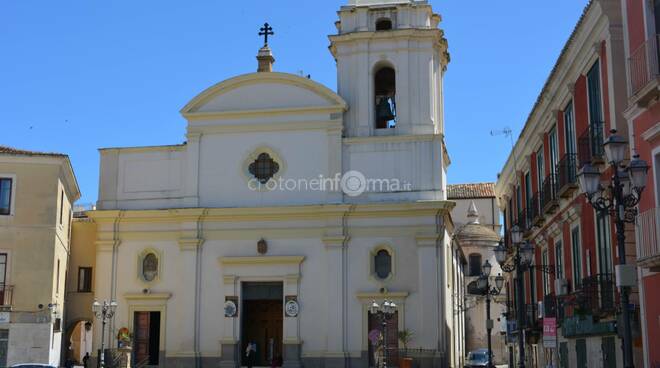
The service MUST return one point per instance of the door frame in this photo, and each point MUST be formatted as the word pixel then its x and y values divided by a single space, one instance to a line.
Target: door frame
pixel 158 304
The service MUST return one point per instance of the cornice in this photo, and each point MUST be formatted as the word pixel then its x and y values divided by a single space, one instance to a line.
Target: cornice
pixel 651 133
pixel 196 116
pixel 147 296
pixel 262 260
pixel 283 213
pixel 393 139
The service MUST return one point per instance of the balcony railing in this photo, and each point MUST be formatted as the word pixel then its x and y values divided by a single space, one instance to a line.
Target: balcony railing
pixel 549 193
pixel 6 296
pixel 643 65
pixel 567 174
pixel 596 296
pixel 590 144
pixel 648 239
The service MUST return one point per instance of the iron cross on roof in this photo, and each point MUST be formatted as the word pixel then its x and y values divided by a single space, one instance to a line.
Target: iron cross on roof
pixel 265 31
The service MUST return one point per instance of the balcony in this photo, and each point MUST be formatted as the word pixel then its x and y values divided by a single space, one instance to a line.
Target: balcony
pixel 648 239
pixel 590 144
pixel 6 296
pixel 567 175
pixel 595 296
pixel 549 200
pixel 644 72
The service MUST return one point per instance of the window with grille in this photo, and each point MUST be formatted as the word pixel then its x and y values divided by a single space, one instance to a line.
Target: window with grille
pixel 264 168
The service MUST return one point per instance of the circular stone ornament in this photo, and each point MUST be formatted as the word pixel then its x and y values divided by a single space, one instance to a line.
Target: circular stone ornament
pixel 292 308
pixel 230 308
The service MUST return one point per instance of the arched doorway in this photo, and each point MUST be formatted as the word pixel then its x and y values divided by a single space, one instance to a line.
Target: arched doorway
pixel 79 341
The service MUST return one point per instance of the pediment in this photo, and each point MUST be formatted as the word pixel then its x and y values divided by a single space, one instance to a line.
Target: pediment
pixel 263 92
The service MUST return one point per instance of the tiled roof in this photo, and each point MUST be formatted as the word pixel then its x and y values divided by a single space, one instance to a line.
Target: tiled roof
pixel 19 152
pixel 472 190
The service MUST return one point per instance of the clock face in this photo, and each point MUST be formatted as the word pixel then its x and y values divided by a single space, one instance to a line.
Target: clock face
pixel 291 308
pixel 230 308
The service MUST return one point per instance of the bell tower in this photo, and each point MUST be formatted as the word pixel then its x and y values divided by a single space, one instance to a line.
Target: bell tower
pixel 391 57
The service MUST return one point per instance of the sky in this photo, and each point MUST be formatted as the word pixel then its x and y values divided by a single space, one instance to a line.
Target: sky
pixel 77 75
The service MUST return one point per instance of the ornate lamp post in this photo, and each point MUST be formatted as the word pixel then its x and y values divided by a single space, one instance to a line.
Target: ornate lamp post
pixel 483 283
pixel 522 258
pixel 619 199
pixel 384 313
pixel 103 312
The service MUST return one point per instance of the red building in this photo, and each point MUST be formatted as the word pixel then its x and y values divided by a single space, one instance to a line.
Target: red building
pixel 641 19
pixel 571 279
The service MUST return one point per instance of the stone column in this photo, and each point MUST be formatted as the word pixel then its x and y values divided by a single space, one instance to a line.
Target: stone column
pixel 187 306
pixel 430 304
pixel 335 350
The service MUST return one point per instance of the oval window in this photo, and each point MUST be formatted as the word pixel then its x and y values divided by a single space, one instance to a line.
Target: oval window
pixel 150 267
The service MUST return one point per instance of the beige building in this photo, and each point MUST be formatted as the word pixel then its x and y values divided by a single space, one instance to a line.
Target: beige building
pixel 36 193
pixel 79 287
pixel 477 221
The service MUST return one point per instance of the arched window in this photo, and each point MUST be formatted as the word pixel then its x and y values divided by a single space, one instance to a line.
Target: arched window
pixel 383 264
pixel 383 24
pixel 149 267
pixel 385 92
pixel 475 264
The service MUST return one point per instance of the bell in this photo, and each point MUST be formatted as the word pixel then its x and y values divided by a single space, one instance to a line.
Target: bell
pixel 384 110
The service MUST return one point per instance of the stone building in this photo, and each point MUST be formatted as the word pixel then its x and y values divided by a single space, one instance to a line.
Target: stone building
pixel 290 209
pixel 36 194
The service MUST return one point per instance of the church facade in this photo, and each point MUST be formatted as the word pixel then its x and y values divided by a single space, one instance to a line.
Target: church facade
pixel 290 209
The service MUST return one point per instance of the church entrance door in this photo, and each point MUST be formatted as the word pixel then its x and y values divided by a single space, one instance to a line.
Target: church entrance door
pixel 146 326
pixel 262 321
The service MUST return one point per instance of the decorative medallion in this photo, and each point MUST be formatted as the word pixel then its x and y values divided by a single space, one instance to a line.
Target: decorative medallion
pixel 264 168
pixel 291 307
pixel 231 310
pixel 262 246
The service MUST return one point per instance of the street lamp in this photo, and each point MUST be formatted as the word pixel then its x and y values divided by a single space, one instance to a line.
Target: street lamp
pixel 619 199
pixel 522 258
pixel 384 313
pixel 483 283
pixel 104 312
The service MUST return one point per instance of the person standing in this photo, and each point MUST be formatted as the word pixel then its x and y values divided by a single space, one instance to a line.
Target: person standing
pixel 251 353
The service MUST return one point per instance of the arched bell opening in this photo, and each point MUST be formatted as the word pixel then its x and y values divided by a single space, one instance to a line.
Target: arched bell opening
pixel 385 94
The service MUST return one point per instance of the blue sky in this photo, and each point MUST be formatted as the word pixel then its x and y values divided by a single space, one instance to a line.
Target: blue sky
pixel 79 75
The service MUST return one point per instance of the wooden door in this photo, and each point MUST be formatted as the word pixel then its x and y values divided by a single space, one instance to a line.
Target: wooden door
pixel 141 321
pixel 608 347
pixel 263 325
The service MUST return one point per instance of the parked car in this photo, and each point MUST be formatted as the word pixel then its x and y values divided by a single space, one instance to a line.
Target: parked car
pixel 477 359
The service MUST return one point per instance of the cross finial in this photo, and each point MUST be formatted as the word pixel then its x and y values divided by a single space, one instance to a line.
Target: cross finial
pixel 265 31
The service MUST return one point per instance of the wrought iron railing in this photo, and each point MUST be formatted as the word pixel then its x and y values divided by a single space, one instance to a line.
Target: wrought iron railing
pixel 596 295
pixel 590 143
pixel 648 235
pixel 567 171
pixel 643 64
pixel 549 193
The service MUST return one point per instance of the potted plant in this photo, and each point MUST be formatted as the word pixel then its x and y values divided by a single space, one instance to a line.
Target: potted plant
pixel 405 336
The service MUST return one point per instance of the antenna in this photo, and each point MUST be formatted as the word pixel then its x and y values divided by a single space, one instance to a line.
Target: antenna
pixel 507 132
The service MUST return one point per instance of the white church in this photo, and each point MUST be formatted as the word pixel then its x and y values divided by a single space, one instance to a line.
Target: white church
pixel 290 209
